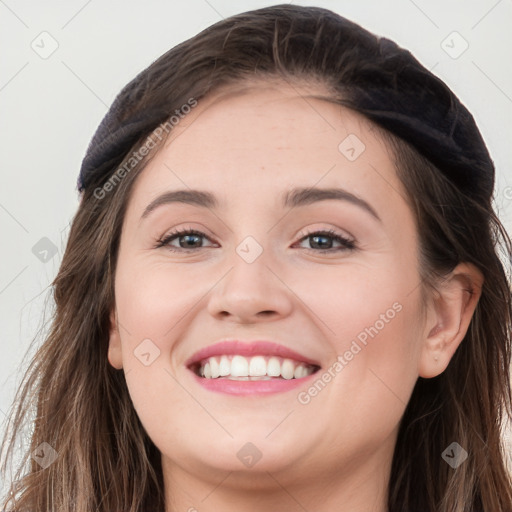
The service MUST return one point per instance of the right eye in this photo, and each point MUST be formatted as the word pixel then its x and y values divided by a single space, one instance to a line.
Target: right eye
pixel 189 235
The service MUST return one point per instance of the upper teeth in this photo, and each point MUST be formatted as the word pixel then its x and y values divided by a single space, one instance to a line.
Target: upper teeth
pixel 256 366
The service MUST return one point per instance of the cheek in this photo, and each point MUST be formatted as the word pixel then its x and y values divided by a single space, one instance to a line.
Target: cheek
pixel 152 299
pixel 367 387
pixel 376 308
pixel 375 368
pixel 153 305
pixel 371 319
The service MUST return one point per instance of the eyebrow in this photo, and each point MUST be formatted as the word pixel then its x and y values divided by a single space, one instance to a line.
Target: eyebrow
pixel 292 199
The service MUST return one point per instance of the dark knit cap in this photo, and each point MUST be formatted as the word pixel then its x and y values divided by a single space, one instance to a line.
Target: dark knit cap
pixel 377 78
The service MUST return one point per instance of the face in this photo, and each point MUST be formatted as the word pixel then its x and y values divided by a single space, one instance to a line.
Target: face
pixel 331 278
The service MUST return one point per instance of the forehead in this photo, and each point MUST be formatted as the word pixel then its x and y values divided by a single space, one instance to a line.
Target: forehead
pixel 288 109
pixel 259 137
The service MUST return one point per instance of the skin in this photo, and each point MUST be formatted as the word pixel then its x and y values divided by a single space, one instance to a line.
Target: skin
pixel 248 146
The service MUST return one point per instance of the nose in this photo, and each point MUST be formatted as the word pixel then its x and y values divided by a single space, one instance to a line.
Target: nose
pixel 251 293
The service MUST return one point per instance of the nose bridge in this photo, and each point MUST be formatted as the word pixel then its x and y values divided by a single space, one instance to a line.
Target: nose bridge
pixel 250 287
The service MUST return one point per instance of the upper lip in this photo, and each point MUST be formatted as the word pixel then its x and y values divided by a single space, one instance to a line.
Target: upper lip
pixel 247 349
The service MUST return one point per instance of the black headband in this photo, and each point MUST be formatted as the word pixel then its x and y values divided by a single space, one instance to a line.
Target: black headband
pixel 392 89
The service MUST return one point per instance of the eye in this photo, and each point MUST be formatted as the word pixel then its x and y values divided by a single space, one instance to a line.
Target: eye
pixel 191 239
pixel 189 236
pixel 321 239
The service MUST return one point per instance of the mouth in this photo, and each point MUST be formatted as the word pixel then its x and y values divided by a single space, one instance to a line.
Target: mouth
pixel 234 360
pixel 258 367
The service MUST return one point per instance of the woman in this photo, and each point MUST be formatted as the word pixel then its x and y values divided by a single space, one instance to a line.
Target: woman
pixel 213 350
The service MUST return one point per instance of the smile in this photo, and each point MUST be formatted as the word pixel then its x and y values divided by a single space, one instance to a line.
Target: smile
pixel 259 367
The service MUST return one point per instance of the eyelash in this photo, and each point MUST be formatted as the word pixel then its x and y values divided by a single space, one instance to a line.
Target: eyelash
pixel 348 245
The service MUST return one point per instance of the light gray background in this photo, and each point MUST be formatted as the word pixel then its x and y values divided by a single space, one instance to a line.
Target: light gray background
pixel 51 106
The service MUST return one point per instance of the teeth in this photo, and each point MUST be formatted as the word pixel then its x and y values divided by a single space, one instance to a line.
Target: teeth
pixel 299 372
pixel 214 367
pixel 274 367
pixel 253 368
pixel 239 367
pixel 257 366
pixel 287 369
pixel 224 366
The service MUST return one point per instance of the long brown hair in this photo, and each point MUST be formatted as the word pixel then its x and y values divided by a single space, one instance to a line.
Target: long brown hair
pixel 104 460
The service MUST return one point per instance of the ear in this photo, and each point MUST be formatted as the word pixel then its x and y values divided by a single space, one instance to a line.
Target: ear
pixel 449 313
pixel 114 343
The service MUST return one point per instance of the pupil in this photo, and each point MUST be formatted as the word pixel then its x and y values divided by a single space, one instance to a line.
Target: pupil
pixel 321 237
pixel 188 237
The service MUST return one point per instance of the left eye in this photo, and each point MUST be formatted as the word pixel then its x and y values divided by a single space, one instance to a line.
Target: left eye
pixel 319 238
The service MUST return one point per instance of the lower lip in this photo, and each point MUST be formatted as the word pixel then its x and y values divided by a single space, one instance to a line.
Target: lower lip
pixel 255 387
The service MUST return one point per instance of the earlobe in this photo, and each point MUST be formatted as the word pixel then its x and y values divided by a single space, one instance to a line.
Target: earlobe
pixel 114 343
pixel 448 318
